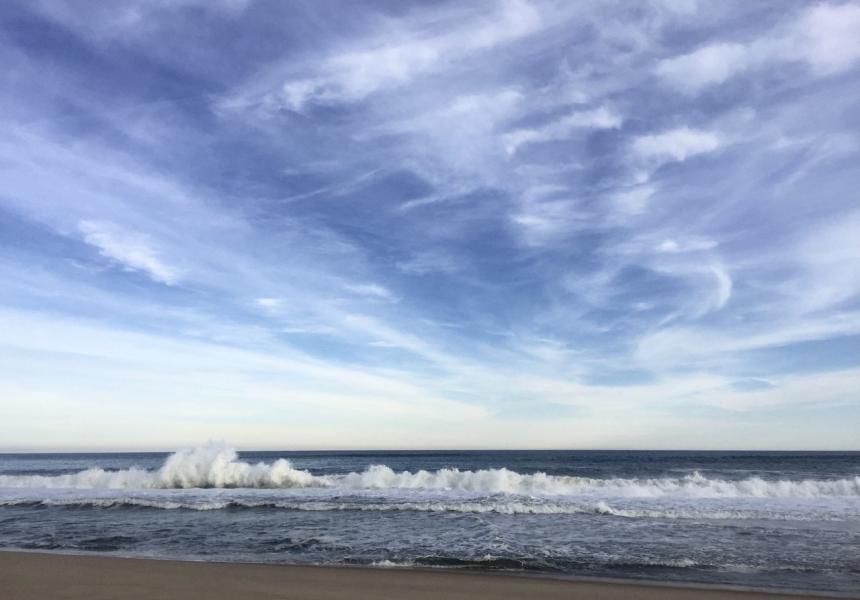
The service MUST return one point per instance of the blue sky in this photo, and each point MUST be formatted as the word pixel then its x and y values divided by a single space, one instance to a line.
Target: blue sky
pixel 384 224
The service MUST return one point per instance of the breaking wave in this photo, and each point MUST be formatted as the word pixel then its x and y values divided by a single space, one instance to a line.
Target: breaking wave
pixel 206 467
pixel 480 506
pixel 219 467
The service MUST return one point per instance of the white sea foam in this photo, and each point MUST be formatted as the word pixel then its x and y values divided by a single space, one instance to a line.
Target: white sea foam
pixel 389 564
pixel 678 563
pixel 219 467
pixel 477 506
pixel 210 466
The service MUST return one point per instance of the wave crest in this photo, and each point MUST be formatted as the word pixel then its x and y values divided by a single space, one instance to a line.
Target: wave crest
pixel 211 466
pixel 216 466
pixel 478 506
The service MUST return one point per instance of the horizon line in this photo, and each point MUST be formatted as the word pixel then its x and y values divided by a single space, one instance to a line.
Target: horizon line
pixel 172 450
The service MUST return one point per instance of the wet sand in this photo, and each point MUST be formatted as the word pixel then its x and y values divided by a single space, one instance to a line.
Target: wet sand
pixel 36 576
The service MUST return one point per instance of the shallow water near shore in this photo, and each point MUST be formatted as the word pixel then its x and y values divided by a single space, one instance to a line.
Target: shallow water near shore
pixel 762 519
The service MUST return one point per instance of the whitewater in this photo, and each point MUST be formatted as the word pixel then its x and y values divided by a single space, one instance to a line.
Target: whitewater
pixel 762 519
pixel 217 466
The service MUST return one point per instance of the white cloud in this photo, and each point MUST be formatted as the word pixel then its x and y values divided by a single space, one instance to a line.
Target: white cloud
pixel 441 113
pixel 673 245
pixel 826 37
pixel 633 201
pixel 372 290
pixel 452 144
pixel 423 263
pixel 706 66
pixel 829 256
pixel 678 346
pixel 158 374
pixel 820 389
pixel 379 331
pixel 675 145
pixel 543 222
pixel 723 288
pixel 461 137
pixel 130 19
pixel 272 306
pixel 701 389
pixel 268 302
pixel 710 285
pixel 130 249
pixel 394 58
pixel 598 118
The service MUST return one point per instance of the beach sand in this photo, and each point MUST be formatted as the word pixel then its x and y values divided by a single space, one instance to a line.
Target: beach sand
pixel 35 576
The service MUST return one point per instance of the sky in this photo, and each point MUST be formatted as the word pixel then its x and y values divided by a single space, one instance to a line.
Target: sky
pixel 386 224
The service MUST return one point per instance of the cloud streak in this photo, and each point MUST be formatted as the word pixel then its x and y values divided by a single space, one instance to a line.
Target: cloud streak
pixel 393 61
pixel 407 225
pixel 132 251
pixel 824 38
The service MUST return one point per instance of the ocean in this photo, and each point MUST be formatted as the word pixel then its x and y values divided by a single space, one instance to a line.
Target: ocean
pixel 788 520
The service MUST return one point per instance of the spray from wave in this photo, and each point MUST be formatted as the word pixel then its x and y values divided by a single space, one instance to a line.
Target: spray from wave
pixel 211 466
pixel 216 466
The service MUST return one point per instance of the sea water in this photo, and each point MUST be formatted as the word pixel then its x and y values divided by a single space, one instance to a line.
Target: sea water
pixel 762 519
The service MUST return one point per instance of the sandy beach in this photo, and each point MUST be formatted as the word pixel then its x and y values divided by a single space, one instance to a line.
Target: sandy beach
pixel 35 576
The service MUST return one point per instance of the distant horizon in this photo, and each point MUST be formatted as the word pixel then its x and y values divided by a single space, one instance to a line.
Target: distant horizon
pixel 418 450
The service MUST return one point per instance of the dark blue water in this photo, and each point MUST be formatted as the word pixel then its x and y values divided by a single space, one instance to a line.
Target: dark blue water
pixel 765 519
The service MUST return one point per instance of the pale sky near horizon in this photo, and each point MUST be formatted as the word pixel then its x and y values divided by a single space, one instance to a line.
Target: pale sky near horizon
pixel 384 224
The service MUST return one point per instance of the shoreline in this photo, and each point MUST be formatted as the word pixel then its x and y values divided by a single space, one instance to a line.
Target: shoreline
pixel 31 575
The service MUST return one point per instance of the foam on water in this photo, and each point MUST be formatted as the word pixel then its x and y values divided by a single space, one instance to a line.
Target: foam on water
pixel 215 466
pixel 475 506
pixel 211 466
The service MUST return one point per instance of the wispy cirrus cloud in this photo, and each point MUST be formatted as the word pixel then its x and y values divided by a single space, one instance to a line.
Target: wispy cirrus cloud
pixel 131 250
pixel 371 290
pixel 560 129
pixel 393 59
pixel 417 219
pixel 824 38
pixel 675 145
